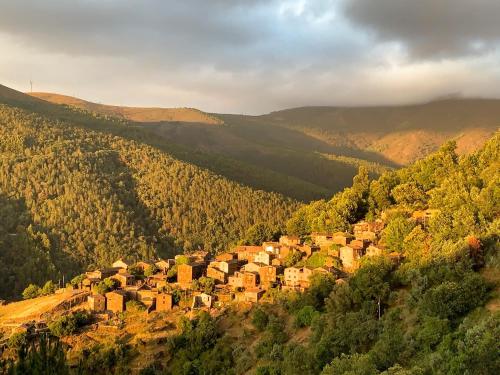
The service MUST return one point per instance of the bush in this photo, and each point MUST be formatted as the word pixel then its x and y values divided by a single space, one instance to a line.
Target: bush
pixel 18 340
pixel 260 319
pixel 32 291
pixel 68 324
pixel 450 300
pixel 77 280
pixel 135 306
pixel 305 316
pixel 48 289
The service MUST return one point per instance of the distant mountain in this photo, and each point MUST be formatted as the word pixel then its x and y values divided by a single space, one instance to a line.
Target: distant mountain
pixel 401 134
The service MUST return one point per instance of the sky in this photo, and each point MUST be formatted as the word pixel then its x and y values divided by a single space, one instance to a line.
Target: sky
pixel 252 56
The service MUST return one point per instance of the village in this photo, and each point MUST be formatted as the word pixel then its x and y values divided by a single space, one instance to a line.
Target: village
pixel 243 274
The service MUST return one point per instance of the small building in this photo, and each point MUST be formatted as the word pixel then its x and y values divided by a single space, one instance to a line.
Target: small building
pixel 289 240
pixel 359 244
pixel 349 255
pixel 102 274
pixel 97 302
pixel 186 273
pixel 247 253
pixel 164 302
pixel 200 256
pixel 115 301
pixel 229 266
pixel 143 266
pixel 308 250
pixel 89 283
pixel 125 279
pixel 250 279
pixel 202 300
pixel 236 281
pixel 217 274
pixel 120 263
pixel 164 264
pixel 252 267
pixel 271 247
pixel 226 257
pixel 158 280
pixel 423 217
pixel 253 295
pixel 267 275
pixel 264 257
pixel 341 238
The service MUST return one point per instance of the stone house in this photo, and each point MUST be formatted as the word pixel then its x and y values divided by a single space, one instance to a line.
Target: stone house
pixel 97 302
pixel 253 295
pixel 341 238
pixel 247 253
pixel 289 240
pixel 164 264
pixel 236 281
pixel 115 301
pixel 267 275
pixel 202 300
pixel 120 263
pixel 350 255
pixel 143 266
pixel 164 302
pixel 226 257
pixel 271 247
pixel 186 273
pixel 217 274
pixel 229 266
pixel 250 279
pixel 264 257
pixel 125 279
pixel 101 274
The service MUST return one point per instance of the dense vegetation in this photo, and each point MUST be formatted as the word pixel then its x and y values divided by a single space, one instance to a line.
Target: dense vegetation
pixel 74 197
pixel 428 315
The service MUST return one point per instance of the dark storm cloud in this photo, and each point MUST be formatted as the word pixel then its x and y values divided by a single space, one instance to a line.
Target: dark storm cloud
pixel 249 55
pixel 431 28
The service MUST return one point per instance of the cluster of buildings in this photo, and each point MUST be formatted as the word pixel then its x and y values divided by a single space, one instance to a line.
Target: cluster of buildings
pixel 243 274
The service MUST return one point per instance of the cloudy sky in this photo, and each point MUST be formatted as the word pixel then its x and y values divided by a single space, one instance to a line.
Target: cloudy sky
pixel 252 56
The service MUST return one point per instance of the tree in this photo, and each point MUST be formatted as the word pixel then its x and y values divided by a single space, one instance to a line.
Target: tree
pixel 259 233
pixel 32 291
pixel 48 288
pixel 260 319
pixel 395 233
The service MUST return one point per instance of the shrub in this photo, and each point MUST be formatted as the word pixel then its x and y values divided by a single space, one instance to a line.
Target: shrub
pixel 18 340
pixel 135 306
pixel 31 291
pixel 305 316
pixel 68 324
pixel 260 319
pixel 48 289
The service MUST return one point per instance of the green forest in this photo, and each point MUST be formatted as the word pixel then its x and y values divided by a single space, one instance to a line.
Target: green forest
pixel 435 313
pixel 72 197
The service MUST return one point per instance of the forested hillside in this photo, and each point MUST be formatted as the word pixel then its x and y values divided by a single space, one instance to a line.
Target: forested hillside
pixel 274 158
pixel 436 311
pixel 75 197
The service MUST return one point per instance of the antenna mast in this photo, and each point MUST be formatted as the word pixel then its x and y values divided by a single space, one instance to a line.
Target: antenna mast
pixel 31 85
